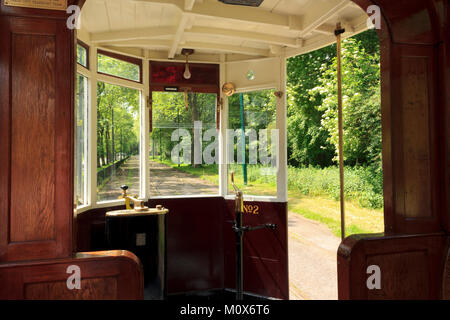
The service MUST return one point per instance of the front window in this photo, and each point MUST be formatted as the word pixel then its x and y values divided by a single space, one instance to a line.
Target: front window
pixel 184 144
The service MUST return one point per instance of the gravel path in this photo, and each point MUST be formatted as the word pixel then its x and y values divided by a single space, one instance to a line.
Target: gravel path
pixel 128 174
pixel 166 181
pixel 312 260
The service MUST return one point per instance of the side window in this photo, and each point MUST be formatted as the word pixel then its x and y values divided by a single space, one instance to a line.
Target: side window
pixel 122 67
pixel 252 141
pixel 81 136
pixel 117 140
pixel 83 55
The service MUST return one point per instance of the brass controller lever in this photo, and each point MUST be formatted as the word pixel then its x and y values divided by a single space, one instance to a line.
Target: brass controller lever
pixel 138 203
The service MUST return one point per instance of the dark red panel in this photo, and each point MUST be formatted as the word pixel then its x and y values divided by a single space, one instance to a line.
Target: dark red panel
pixel 265 251
pixel 171 74
pixel 194 243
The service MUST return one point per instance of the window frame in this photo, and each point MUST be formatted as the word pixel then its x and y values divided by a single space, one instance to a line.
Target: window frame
pixel 229 193
pixel 127 59
pixel 202 89
pixel 87 48
pixel 140 115
pixel 144 87
pixel 86 105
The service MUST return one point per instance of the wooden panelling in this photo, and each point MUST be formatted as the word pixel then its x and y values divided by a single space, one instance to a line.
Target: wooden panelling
pixel 36 103
pixel 33 138
pixel 444 50
pixel 265 251
pixel 104 275
pixel 415 141
pixel 416 137
pixel 201 244
pixel 410 266
pixel 409 21
pixel 446 275
pixel 98 289
pixel 400 267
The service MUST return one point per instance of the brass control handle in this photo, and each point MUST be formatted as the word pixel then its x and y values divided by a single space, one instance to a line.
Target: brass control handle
pixel 138 203
pixel 239 202
pixel 236 189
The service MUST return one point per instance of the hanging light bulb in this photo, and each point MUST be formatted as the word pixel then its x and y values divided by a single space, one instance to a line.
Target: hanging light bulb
pixel 187 73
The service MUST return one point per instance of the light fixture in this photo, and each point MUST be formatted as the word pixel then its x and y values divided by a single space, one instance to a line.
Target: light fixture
pixel 250 3
pixel 187 73
pixel 228 89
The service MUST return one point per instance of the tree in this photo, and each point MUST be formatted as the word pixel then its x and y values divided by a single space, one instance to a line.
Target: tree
pixel 307 139
pixel 361 100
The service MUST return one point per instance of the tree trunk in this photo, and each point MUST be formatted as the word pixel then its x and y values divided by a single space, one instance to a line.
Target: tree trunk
pixel 195 117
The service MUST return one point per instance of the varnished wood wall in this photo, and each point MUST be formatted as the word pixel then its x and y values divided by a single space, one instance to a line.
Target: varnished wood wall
pixel 413 250
pixel 36 59
pixel 36 168
pixel 104 276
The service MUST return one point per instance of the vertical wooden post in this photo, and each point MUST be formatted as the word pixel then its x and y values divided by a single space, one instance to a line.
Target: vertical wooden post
pixel 338 33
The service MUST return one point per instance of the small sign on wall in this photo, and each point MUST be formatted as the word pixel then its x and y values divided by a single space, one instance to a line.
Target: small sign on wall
pixel 38 4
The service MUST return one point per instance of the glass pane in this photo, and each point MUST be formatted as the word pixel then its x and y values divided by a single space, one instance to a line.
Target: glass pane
pixel 81 134
pixel 118 68
pixel 184 144
pixel 252 118
pixel 81 55
pixel 117 140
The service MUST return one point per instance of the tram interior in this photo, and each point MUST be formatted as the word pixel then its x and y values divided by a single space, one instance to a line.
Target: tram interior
pixel 101 197
pixel 239 45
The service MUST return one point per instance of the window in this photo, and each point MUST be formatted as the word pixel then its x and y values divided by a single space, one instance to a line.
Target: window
pixel 83 54
pixel 184 144
pixel 252 118
pixel 81 134
pixel 117 140
pixel 119 66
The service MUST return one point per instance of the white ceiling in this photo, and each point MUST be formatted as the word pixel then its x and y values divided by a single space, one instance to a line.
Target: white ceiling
pixel 163 28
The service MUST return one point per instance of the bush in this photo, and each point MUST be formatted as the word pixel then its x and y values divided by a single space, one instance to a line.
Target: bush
pixel 362 184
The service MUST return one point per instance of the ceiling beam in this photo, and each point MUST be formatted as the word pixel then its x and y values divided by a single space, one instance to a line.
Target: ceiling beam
pixel 319 12
pixel 189 4
pixel 228 48
pixel 136 34
pixel 214 10
pixel 149 44
pixel 243 35
pixel 325 29
pixel 140 43
pixel 178 35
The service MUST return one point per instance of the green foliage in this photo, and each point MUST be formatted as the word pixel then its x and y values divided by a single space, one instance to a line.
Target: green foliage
pixel 170 113
pixel 118 68
pixel 307 138
pixel 312 104
pixel 117 113
pixel 117 123
pixel 362 184
pixel 361 103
